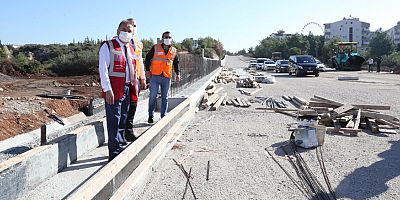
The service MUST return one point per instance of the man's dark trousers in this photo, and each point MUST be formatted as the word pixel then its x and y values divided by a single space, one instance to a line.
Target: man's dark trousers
pixel 129 136
pixel 116 115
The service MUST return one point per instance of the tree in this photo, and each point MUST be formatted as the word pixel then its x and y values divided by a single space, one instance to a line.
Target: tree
pixel 187 44
pixel 242 52
pixel 381 44
pixel 328 50
pixel 298 41
pixel 147 45
pixel 294 51
pixel 250 51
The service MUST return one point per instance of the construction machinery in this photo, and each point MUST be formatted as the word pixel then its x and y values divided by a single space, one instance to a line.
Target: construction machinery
pixel 347 57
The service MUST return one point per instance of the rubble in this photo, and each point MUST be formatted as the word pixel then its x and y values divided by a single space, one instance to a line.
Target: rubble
pixel 349 119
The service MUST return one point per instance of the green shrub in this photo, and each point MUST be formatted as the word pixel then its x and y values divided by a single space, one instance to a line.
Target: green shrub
pixel 76 63
pixel 392 60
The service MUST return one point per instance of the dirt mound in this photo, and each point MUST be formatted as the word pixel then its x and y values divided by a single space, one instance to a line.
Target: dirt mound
pixel 22 111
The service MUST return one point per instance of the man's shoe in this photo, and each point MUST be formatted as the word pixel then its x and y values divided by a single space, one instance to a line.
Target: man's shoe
pixel 150 120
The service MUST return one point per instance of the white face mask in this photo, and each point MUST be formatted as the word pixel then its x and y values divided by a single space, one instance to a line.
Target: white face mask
pixel 134 30
pixel 167 41
pixel 125 36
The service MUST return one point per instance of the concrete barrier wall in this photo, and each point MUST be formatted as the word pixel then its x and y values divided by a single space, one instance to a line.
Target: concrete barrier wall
pixel 27 170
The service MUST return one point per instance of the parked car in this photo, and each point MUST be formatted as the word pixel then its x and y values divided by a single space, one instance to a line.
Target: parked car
pixel 253 63
pixel 321 66
pixel 300 65
pixel 269 65
pixel 282 66
pixel 260 62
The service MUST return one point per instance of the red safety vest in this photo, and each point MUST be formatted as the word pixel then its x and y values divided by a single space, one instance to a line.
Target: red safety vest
pixel 161 63
pixel 117 70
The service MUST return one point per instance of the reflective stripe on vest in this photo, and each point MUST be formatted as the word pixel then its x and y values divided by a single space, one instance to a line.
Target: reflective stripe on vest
pixel 161 63
pixel 138 55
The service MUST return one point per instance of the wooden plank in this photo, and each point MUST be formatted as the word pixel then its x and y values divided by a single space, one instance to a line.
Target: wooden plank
pixel 378 116
pixel 255 91
pixel 358 119
pixel 343 109
pixel 278 109
pixel 372 107
pixel 350 131
pixel 351 123
pixel 321 109
pixel 211 91
pixel 322 104
pixel 287 98
pixel 218 103
pixel 205 97
pixel 241 104
pixel 235 103
pixel 286 113
pixel 211 85
pixel 337 103
pixel 301 100
pixel 247 102
pixel 371 123
pixel 382 121
pixel 242 91
pixel 225 100
pixel 218 90
pixel 213 98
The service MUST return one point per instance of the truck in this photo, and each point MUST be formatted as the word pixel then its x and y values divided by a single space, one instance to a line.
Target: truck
pixel 276 56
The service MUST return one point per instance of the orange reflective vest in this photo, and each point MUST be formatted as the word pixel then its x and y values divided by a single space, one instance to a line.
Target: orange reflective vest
pixel 117 70
pixel 161 63
pixel 138 51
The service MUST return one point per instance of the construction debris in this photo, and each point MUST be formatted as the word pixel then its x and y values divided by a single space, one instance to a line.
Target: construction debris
pixel 347 119
pixel 247 83
pixel 225 76
pixel 242 91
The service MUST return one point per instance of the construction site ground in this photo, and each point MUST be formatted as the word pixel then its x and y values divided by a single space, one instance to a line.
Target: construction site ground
pixel 21 110
pixel 233 140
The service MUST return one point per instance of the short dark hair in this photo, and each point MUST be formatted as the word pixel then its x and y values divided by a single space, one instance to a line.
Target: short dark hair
pixel 122 23
pixel 165 33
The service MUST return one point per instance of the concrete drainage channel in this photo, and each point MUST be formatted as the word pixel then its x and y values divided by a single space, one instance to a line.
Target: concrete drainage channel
pixel 119 179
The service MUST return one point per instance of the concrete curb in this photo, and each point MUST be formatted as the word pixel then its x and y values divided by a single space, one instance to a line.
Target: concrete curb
pixel 33 138
pixel 104 183
pixel 134 185
pixel 27 170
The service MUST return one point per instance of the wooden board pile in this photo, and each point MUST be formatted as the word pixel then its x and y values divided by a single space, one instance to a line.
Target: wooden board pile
pixel 349 119
pixel 213 100
pixel 247 83
pixel 225 76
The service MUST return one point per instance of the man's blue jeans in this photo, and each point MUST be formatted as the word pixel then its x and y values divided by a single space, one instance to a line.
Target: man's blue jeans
pixel 159 82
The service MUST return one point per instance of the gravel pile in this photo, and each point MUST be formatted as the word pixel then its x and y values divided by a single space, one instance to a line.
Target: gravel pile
pixel 233 140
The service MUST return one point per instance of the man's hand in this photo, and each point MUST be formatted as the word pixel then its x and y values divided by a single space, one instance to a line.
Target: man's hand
pixel 178 78
pixel 143 84
pixel 110 97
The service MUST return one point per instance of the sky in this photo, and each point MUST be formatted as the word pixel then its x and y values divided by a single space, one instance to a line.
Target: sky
pixel 237 24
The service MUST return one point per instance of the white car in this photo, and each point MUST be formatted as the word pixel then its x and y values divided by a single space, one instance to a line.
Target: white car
pixel 260 62
pixel 321 66
pixel 269 65
pixel 253 63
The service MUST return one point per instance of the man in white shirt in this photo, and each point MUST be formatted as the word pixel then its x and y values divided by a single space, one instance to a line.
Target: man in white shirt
pixel 117 70
pixel 370 65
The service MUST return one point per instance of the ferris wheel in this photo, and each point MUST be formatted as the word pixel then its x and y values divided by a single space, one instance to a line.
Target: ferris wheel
pixel 312 27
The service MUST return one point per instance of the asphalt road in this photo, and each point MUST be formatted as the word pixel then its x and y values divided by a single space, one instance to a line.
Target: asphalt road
pixel 233 140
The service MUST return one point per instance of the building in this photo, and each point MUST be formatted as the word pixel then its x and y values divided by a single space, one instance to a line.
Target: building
pixel 394 33
pixel 348 30
pixel 280 35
